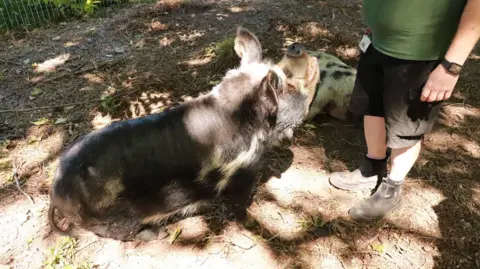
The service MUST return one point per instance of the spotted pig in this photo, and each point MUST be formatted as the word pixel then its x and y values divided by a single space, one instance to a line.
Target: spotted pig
pixel 334 89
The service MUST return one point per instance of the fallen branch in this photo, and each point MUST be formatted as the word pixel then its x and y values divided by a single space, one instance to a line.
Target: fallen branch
pixel 94 67
pixel 17 182
pixel 63 105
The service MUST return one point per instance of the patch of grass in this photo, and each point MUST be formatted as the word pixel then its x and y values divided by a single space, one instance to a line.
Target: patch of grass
pixel 62 255
pixel 311 222
pixel 4 144
pixel 109 103
pixel 223 53
pixel 4 147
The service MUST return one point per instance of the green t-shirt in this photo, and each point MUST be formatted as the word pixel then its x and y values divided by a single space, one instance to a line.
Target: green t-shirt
pixel 413 29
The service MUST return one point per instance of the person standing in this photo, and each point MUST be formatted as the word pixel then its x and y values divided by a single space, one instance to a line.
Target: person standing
pixel 409 67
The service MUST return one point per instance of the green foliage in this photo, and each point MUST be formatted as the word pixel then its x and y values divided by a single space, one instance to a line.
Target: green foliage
pixel 77 6
pixel 62 255
pixel 32 13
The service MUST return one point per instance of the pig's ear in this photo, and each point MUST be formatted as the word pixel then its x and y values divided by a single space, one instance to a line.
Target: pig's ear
pixel 247 46
pixel 272 85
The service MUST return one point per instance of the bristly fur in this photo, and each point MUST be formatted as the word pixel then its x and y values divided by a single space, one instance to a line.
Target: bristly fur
pixel 118 181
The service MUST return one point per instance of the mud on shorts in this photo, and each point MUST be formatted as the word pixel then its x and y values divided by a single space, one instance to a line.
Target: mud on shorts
pixel 391 88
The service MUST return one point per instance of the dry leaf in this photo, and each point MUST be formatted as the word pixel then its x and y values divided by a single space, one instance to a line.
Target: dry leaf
pixel 68 108
pixel 378 248
pixel 60 121
pixel 35 92
pixel 175 235
pixel 41 121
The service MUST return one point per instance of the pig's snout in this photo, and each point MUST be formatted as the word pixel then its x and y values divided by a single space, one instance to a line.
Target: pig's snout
pixel 295 50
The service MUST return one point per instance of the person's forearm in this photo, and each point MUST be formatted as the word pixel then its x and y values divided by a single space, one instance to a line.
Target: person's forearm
pixel 467 35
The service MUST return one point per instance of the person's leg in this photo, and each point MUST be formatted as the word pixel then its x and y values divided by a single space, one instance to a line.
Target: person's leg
pixel 407 120
pixel 376 137
pixel 403 160
pixel 367 100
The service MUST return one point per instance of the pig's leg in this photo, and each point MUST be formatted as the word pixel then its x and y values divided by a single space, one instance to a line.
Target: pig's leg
pixel 239 192
pixel 149 233
pixel 124 232
pixel 120 223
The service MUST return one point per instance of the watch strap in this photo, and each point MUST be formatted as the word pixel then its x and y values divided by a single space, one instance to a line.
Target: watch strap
pixel 452 68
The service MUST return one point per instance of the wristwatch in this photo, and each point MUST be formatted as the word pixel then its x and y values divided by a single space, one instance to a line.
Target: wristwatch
pixel 452 68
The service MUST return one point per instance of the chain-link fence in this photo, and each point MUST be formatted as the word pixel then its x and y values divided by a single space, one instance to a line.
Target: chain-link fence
pixel 28 13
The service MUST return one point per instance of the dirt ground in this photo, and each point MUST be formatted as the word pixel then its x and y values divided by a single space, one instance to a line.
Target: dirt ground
pixel 61 81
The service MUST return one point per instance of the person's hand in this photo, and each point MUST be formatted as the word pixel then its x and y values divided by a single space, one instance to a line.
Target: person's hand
pixel 439 86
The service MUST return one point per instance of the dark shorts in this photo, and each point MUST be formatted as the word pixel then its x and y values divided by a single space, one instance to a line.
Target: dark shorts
pixel 391 88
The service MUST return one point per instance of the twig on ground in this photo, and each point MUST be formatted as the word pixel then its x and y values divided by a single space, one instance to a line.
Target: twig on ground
pixel 10 62
pixel 244 248
pixel 15 177
pixel 64 105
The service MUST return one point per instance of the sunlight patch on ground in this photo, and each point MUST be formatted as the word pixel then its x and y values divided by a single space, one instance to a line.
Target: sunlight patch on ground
pixel 191 36
pixel 237 9
pixel 347 52
pixel 149 103
pixel 299 182
pixel 232 248
pixel 51 64
pixel 474 56
pixel 417 212
pixel 283 223
pixel 476 198
pixel 310 191
pixel 459 113
pixel 23 227
pixel 85 89
pixel 472 148
pixel 157 26
pixel 197 62
pixel 94 78
pixel 37 148
pixel 453 142
pixel 313 29
pixel 165 41
pixel 137 109
pixel 100 121
pixel 70 44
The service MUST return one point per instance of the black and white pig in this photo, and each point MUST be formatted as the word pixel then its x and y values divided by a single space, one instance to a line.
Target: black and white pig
pixel 121 181
pixel 334 89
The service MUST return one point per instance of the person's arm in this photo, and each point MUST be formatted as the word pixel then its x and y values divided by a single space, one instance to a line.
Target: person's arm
pixel 440 84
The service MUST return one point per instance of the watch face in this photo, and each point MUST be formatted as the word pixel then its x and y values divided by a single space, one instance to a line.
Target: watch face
pixel 454 68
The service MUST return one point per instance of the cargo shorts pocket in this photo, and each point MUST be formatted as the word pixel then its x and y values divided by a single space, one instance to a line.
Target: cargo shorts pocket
pixel 417 109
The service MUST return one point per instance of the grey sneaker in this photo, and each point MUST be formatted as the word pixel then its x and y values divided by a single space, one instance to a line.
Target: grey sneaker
pixel 365 177
pixel 384 201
